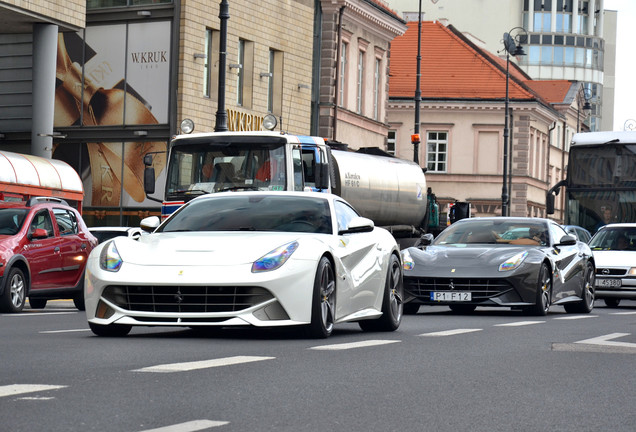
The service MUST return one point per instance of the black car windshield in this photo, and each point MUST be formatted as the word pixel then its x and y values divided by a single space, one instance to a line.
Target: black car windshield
pixel 494 232
pixel 248 212
pixel 11 220
pixel 618 238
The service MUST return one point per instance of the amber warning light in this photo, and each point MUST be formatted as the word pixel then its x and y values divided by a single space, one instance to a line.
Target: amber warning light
pixel 415 138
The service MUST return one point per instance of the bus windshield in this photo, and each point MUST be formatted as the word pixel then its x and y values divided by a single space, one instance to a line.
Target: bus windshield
pixel 601 185
pixel 200 168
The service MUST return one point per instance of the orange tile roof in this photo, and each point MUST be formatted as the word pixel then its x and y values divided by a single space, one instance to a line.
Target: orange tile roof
pixel 554 91
pixel 452 67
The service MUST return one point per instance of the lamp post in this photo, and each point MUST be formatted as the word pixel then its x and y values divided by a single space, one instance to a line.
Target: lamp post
pixel 221 115
pixel 415 138
pixel 512 45
pixel 587 95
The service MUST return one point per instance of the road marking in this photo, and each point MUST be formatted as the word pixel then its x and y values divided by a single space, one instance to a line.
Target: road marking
pixel 16 389
pixel 203 364
pixel 191 426
pixel 451 332
pixel 623 313
pixel 576 317
pixel 606 340
pixel 23 314
pixel 64 331
pixel 352 345
pixel 603 344
pixel 519 323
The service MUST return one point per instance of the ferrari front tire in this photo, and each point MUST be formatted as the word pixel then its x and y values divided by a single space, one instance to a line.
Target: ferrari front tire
pixel 392 302
pixel 323 304
pixel 587 296
pixel 411 308
pixel 110 330
pixel 543 294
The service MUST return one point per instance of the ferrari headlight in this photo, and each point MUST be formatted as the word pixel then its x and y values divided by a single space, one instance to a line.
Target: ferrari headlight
pixel 513 262
pixel 275 258
pixel 109 258
pixel 407 260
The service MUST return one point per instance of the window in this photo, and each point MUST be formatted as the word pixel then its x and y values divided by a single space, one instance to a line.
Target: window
pixel 436 151
pixel 390 142
pixel 275 82
pixel 344 215
pixel 66 221
pixel 42 220
pixel 96 4
pixel 210 72
pixel 360 84
pixel 240 79
pixel 377 80
pixel 343 73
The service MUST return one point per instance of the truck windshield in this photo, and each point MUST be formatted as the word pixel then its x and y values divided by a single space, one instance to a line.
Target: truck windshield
pixel 200 168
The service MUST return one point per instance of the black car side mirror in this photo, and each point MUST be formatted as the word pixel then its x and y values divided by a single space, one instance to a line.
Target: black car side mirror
pixel 567 240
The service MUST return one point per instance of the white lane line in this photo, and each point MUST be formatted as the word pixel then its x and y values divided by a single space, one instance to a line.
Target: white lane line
pixel 623 313
pixel 576 317
pixel 16 389
pixel 606 340
pixel 451 332
pixel 203 364
pixel 519 323
pixel 352 345
pixel 24 314
pixel 64 331
pixel 191 426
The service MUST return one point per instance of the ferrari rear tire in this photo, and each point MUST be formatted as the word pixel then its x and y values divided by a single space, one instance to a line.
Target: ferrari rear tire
pixel 323 305
pixel 411 308
pixel 612 302
pixel 110 330
pixel 462 309
pixel 392 306
pixel 14 295
pixel 587 296
pixel 544 293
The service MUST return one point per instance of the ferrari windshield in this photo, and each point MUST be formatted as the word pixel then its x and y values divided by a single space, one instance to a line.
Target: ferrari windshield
pixel 614 238
pixel 207 167
pixel 253 212
pixel 510 232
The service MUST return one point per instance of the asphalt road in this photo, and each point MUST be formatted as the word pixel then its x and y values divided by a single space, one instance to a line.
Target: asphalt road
pixel 494 370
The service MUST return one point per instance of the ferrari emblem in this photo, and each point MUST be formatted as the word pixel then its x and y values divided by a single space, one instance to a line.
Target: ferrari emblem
pixel 452 270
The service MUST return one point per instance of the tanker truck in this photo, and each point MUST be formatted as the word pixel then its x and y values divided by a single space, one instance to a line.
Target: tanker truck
pixel 385 189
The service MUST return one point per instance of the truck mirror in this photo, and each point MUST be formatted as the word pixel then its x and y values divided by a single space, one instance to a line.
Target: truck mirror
pixel 322 176
pixel 549 203
pixel 149 178
pixel 148 160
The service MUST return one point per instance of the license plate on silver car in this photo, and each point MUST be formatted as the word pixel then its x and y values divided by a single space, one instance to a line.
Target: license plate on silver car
pixel 451 296
pixel 608 283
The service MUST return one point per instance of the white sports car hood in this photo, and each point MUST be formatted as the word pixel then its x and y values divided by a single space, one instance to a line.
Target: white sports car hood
pixel 615 258
pixel 200 248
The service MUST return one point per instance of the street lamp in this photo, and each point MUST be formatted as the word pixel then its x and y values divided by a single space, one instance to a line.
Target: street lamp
pixel 221 115
pixel 587 95
pixel 415 138
pixel 512 44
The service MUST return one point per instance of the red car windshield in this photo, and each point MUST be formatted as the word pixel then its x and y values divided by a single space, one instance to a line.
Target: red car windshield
pixel 11 220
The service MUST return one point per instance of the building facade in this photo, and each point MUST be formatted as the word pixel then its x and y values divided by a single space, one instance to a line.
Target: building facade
pixel 462 123
pixel 565 39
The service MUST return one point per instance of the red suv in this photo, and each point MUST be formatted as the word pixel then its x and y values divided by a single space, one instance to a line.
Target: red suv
pixel 44 245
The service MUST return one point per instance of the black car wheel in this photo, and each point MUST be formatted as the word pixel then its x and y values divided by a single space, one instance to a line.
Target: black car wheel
pixel 323 304
pixel 612 302
pixel 544 293
pixel 392 305
pixel 110 330
pixel 14 295
pixel 37 303
pixel 78 301
pixel 587 296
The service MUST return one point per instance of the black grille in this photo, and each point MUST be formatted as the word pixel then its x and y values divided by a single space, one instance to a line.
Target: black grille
pixel 610 272
pixel 481 289
pixel 194 299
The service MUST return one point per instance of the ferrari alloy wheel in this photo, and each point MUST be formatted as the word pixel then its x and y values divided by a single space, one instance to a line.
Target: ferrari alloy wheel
pixel 392 302
pixel 324 301
pixel 14 295
pixel 587 295
pixel 110 330
pixel 544 293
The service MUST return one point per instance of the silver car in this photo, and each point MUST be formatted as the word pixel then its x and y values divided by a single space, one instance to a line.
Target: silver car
pixel 614 249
